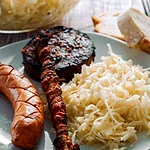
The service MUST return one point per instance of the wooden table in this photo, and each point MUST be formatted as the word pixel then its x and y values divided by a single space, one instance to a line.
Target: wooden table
pixel 80 16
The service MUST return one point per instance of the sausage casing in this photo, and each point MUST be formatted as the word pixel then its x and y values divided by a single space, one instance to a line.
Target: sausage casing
pixel 28 120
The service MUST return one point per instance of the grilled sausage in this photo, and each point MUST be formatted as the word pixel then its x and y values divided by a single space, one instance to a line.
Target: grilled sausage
pixel 28 121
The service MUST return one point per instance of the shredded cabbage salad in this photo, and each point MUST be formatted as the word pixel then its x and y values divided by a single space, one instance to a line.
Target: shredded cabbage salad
pixel 108 103
pixel 31 14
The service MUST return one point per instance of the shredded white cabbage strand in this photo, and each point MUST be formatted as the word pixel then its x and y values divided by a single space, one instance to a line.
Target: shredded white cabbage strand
pixel 31 14
pixel 108 103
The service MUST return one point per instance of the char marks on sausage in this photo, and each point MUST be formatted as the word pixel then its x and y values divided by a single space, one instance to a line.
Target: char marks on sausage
pixel 28 121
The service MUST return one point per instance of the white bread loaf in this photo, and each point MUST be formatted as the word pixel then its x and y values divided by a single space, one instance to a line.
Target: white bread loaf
pixel 106 23
pixel 135 27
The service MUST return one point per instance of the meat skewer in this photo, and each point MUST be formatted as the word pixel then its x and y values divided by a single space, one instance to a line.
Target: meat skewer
pixel 52 90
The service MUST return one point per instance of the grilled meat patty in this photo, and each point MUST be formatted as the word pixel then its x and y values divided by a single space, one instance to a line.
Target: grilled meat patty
pixel 69 49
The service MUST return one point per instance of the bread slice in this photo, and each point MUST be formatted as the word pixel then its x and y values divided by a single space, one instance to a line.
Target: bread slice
pixel 135 27
pixel 106 23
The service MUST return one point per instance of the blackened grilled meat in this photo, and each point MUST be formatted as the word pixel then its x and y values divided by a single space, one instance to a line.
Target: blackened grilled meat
pixel 70 49
pixel 52 91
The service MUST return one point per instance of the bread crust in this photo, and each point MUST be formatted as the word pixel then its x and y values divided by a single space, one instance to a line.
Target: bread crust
pixel 106 23
pixel 134 25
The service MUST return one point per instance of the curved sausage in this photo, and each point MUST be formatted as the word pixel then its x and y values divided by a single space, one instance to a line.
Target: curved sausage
pixel 28 121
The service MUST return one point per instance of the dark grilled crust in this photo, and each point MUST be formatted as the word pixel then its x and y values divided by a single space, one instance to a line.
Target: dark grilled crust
pixel 52 90
pixel 70 49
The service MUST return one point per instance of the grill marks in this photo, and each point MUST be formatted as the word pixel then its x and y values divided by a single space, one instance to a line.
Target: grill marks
pixel 19 87
pixel 28 121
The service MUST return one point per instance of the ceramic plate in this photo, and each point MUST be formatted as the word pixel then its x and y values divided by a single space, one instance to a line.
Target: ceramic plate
pixel 11 54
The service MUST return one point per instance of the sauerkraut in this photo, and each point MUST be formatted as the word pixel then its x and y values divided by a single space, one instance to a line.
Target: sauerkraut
pixel 108 103
pixel 31 14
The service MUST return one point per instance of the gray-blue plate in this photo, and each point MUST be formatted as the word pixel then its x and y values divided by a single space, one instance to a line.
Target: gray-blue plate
pixel 11 54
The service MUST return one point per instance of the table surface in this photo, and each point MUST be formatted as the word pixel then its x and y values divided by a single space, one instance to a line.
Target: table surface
pixel 80 16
